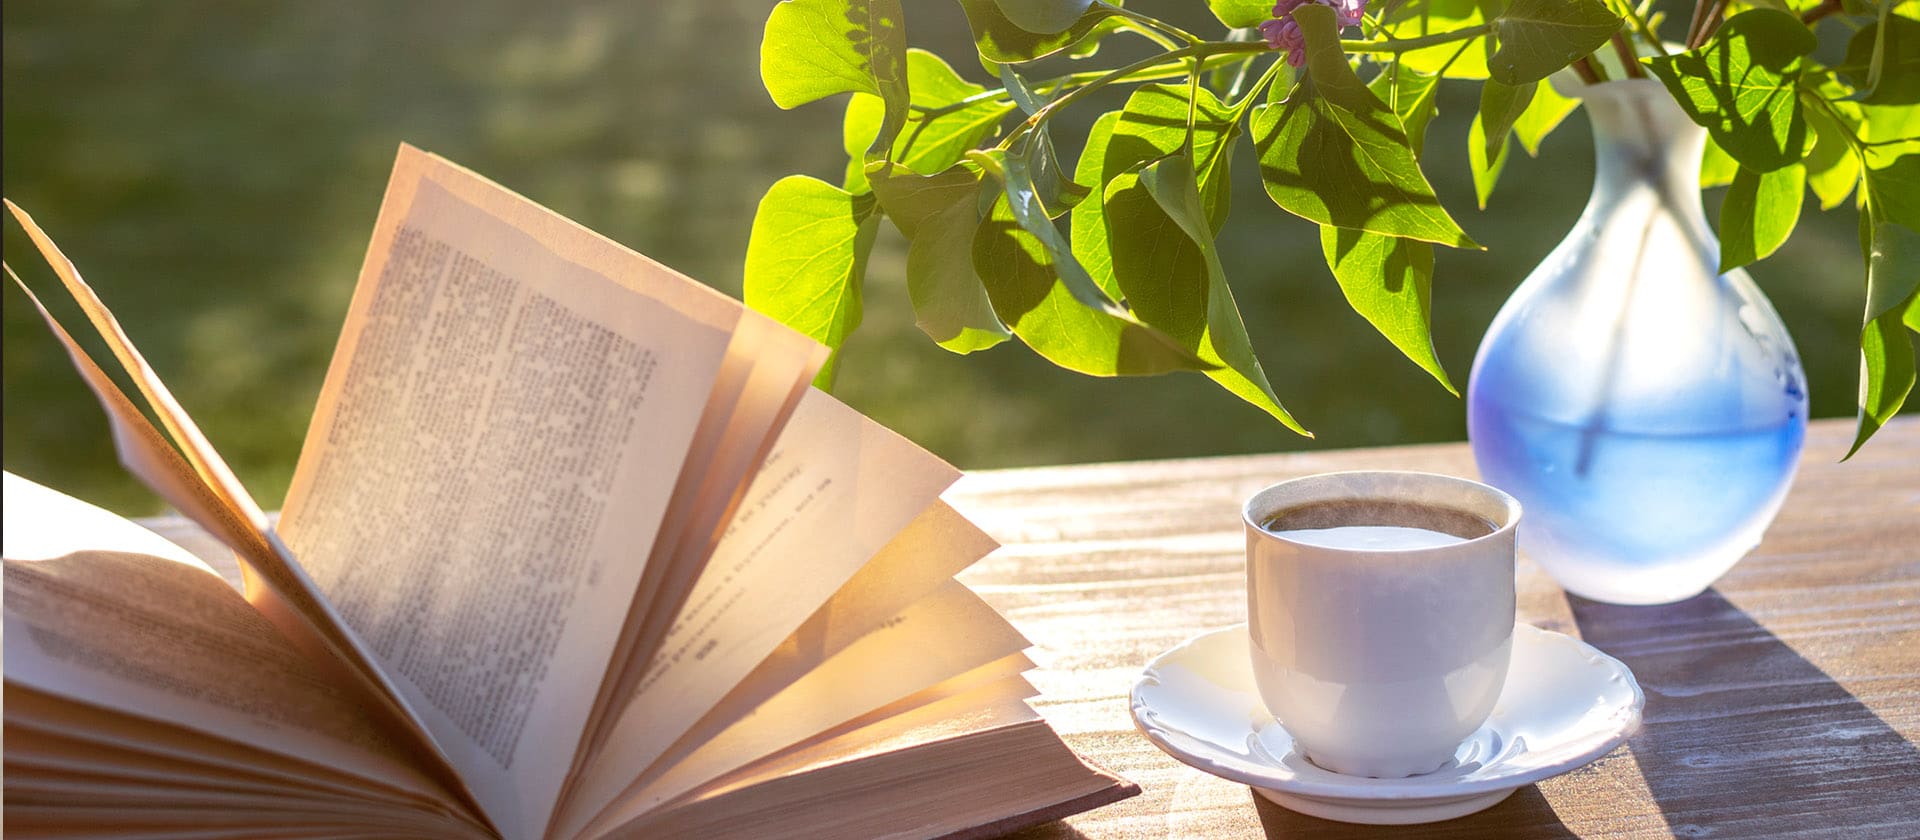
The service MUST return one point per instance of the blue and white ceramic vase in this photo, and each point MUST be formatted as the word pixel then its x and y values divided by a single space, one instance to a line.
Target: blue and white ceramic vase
pixel 1647 410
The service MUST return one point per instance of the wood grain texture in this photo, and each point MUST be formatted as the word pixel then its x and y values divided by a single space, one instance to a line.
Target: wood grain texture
pixel 1785 701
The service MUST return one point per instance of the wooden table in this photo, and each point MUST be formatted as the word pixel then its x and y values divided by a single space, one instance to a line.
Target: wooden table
pixel 1783 701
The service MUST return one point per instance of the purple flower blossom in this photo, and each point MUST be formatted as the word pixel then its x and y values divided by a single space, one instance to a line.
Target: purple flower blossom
pixel 1283 34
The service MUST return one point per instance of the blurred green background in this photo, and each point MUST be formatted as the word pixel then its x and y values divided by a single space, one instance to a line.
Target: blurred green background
pixel 215 169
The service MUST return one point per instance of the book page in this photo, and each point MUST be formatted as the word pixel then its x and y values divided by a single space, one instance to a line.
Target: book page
pixel 922 559
pixel 162 637
pixel 938 638
pixel 835 491
pixel 498 438
pixel 194 479
pixel 945 711
pixel 107 738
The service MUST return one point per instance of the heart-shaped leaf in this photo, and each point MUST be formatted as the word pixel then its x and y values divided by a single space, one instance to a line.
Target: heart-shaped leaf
pixel 1333 153
pixel 1500 107
pixel 807 260
pixel 1164 256
pixel 939 215
pixel 1758 214
pixel 817 48
pixel 1019 272
pixel 1004 42
pixel 1741 87
pixel 1151 126
pixel 1898 54
pixel 1411 94
pixel 1043 17
pixel 1484 169
pixel 926 145
pixel 1542 116
pixel 1538 37
pixel 1389 281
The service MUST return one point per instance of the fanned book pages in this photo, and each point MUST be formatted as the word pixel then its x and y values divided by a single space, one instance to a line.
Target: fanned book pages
pixel 572 550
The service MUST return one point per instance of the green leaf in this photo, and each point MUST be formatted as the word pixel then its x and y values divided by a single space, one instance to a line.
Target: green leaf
pixel 1758 214
pixel 1893 186
pixel 1154 124
pixel 1043 17
pixel 807 260
pixel 1898 82
pixel 1411 94
pixel 1538 37
pixel 1886 375
pixel 1716 166
pixel 1832 168
pixel 1237 14
pixel 1018 270
pixel 1500 107
pixel 1893 282
pixel 1333 153
pixel 817 48
pixel 1893 269
pixel 1024 206
pixel 1089 45
pixel 1389 281
pixel 1741 86
pixel 926 146
pixel 1164 256
pixel 1546 112
pixel 1055 192
pixel 1089 228
pixel 1002 41
pixel 939 215
pixel 1414 18
pixel 1486 172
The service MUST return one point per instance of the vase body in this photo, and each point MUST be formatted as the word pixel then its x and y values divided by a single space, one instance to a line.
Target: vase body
pixel 1646 410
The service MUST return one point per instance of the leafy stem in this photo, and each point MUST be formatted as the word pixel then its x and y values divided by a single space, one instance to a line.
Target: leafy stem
pixel 1640 25
pixel 1160 71
pixel 1155 23
pixel 1395 45
pixel 1156 36
pixel 1854 142
pixel 1201 50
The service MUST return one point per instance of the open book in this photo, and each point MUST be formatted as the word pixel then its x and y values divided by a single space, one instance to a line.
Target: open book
pixel 572 550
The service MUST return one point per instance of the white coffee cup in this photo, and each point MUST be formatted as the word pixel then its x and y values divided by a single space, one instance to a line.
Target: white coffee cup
pixel 1381 662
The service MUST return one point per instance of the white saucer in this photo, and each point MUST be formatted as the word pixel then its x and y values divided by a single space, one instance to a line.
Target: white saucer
pixel 1564 705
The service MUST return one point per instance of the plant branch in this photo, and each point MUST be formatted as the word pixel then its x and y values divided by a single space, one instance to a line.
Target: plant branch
pixel 1156 23
pixel 1709 24
pixel 1201 50
pixel 1156 73
pixel 1628 62
pixel 1846 131
pixel 1156 36
pixel 1587 72
pixel 1693 25
pixel 1639 20
pixel 1395 45
pixel 1827 7
pixel 1273 71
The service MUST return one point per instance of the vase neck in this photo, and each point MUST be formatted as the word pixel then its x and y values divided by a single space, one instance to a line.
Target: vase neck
pixel 1643 144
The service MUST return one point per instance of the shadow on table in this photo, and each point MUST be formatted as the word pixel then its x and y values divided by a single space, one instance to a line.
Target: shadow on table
pixel 1742 736
pixel 1524 814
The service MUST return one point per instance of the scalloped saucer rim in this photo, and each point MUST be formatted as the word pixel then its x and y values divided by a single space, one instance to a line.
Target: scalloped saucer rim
pixel 1197 703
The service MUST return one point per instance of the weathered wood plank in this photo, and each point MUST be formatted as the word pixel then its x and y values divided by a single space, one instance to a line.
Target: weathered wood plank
pixel 1785 701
